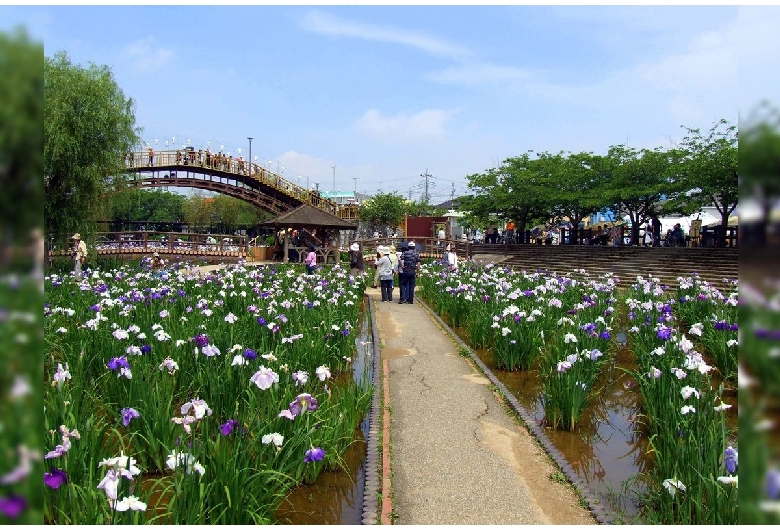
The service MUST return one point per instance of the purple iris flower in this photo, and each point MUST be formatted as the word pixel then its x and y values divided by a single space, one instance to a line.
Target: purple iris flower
pixel 666 308
pixel 773 484
pixel 146 348
pixel 605 335
pixel 734 327
pixel 128 414
pixel 201 340
pixel 261 321
pixel 721 325
pixel 665 333
pixel 12 506
pixel 486 298
pixel 314 455
pixel 250 354
pixel 730 459
pixel 55 478
pixel 345 332
pixel 228 427
pixel 118 362
pixel 95 307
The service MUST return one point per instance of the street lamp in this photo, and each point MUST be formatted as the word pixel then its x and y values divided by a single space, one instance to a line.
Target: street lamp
pixel 250 155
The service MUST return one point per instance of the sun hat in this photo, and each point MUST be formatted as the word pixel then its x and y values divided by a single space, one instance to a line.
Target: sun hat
pixel 156 254
pixel 411 244
pixel 354 247
pixel 76 236
pixel 384 251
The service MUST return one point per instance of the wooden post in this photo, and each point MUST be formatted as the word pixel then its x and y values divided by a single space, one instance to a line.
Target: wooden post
pixel 286 258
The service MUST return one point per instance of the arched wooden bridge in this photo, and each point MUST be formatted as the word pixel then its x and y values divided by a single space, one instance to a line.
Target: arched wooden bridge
pixel 231 176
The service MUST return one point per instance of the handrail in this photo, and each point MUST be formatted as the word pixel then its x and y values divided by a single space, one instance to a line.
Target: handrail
pixel 186 159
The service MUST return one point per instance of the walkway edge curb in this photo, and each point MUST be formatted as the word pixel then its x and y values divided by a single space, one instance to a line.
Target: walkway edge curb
pixel 373 482
pixel 597 510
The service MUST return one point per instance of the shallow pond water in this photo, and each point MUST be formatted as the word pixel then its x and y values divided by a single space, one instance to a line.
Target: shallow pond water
pixel 337 496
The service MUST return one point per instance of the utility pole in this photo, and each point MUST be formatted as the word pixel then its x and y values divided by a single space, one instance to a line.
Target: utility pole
pixel 452 197
pixel 355 191
pixel 426 195
pixel 334 178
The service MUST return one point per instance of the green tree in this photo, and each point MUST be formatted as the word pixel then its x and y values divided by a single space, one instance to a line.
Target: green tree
pixel 710 168
pixel 383 212
pixel 198 211
pixel 88 127
pixel 510 192
pixel 639 181
pixel 21 137
pixel 576 186
pixel 759 166
pixel 159 208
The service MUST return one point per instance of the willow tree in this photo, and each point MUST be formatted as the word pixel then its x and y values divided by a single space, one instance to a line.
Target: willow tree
pixel 88 127
pixel 21 137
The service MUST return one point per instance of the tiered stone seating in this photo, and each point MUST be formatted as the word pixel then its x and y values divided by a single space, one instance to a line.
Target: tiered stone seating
pixel 626 262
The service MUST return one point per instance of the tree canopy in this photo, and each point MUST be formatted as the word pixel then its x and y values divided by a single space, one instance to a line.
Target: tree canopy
pixel 383 210
pixel 21 135
pixel 88 127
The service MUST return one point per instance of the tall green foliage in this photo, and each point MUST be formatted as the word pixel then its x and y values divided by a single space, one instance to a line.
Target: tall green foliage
pixel 21 135
pixel 711 168
pixel 88 127
pixel 383 210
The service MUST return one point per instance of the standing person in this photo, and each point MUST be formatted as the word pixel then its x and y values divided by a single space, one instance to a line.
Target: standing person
pixel 452 259
pixel 648 237
pixel 441 235
pixel 384 267
pixel 311 259
pixel 410 263
pixel 678 237
pixel 151 156
pixel 79 252
pixel 356 265
pixel 392 254
pixel 656 224
pixel 379 250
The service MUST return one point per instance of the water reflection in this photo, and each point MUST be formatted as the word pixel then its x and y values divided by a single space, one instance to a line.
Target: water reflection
pixel 606 450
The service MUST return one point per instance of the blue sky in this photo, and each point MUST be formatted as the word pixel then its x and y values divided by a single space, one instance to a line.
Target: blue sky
pixel 385 94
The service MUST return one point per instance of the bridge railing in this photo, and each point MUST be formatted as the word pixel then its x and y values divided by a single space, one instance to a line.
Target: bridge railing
pixel 171 243
pixel 219 162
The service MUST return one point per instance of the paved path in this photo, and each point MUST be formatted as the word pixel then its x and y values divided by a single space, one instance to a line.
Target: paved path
pixel 457 455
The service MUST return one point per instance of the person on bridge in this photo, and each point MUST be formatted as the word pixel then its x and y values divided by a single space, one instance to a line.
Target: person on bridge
pixel 151 156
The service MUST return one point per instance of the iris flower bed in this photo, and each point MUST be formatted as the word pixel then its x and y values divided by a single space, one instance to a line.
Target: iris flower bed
pixel 679 339
pixel 190 399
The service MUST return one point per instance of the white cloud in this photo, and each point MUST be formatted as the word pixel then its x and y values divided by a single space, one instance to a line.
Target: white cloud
pixel 145 56
pixel 472 74
pixel 325 24
pixel 405 127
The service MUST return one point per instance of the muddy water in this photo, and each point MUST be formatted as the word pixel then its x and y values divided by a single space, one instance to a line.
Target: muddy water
pixel 337 496
pixel 608 449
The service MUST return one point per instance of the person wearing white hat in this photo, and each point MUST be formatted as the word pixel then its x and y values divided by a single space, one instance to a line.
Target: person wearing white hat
pixel 380 250
pixel 79 252
pixel 356 265
pixel 409 264
pixel 384 268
